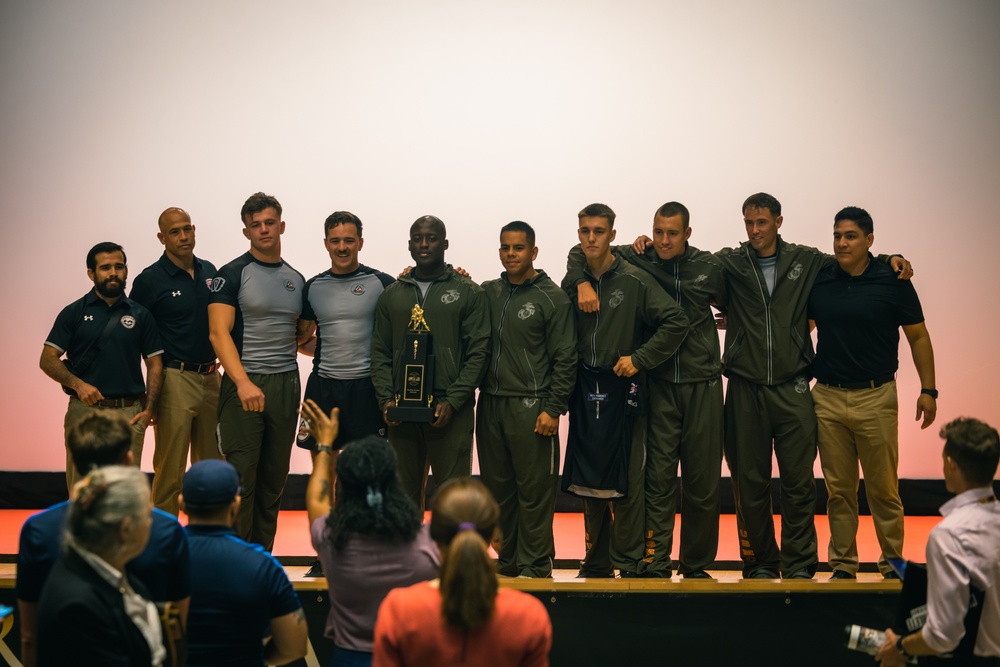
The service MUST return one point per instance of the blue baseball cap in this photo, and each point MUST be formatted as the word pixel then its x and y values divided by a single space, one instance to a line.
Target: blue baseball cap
pixel 210 483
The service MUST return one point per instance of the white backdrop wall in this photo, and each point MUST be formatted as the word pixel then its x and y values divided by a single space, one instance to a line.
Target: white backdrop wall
pixel 484 112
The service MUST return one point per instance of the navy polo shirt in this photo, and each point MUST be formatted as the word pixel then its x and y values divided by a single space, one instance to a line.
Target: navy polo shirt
pixel 857 322
pixel 116 371
pixel 163 567
pixel 179 304
pixel 236 589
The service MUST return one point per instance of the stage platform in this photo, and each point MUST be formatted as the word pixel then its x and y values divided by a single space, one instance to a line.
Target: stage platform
pixel 599 622
pixel 725 621
pixel 292 545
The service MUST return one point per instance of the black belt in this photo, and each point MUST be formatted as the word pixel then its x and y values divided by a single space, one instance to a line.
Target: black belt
pixel 204 369
pixel 124 402
pixel 874 383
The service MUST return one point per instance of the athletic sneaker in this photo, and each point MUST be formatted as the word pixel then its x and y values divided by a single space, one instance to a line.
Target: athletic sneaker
pixel 591 574
pixel 697 574
pixel 657 574
pixel 763 573
pixel 799 574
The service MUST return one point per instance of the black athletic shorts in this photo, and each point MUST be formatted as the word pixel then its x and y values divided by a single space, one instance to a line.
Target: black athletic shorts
pixel 359 411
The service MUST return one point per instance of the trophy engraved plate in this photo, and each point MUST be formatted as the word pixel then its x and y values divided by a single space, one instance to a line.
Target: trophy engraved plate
pixel 413 389
pixel 414 398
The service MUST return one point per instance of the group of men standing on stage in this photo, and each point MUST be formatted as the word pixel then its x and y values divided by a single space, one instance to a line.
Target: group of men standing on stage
pixel 627 345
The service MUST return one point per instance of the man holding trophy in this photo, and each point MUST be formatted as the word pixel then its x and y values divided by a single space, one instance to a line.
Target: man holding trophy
pixel 429 351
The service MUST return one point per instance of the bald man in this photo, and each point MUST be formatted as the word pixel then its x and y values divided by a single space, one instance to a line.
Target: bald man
pixel 457 314
pixel 175 289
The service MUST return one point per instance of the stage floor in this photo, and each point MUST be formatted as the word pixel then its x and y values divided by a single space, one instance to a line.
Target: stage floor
pixel 292 541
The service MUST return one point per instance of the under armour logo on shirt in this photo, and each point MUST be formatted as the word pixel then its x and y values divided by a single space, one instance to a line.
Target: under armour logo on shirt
pixel 177 293
pixel 88 317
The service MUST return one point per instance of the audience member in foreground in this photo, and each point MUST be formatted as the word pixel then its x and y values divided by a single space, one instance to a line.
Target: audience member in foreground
pixel 462 618
pixel 368 534
pixel 239 593
pixel 89 613
pixel 961 553
pixel 100 438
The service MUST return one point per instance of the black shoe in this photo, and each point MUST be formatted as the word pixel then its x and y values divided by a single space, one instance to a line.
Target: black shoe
pixel 591 574
pixel 843 574
pixel 799 574
pixel 657 574
pixel 697 574
pixel 625 574
pixel 891 574
pixel 763 573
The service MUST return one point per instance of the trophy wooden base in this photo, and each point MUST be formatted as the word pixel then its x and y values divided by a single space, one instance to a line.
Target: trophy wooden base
pixel 414 414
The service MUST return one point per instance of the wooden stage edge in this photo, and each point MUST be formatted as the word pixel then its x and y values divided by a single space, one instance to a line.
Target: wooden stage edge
pixel 725 582
pixel 564 580
pixel 292 544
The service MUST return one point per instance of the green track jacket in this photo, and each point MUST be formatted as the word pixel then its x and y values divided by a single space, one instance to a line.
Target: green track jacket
pixel 694 279
pixel 532 342
pixel 637 318
pixel 767 335
pixel 456 312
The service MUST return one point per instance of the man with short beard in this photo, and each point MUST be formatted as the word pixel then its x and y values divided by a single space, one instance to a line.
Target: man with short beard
pixel 103 335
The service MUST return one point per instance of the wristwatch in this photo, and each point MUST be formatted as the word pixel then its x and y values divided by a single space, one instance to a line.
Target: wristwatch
pixel 899 647
pixel 933 393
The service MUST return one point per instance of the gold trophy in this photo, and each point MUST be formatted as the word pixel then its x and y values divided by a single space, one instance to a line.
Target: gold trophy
pixel 415 402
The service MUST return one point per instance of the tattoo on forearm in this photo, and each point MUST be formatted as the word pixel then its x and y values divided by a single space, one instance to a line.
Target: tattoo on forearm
pixel 324 489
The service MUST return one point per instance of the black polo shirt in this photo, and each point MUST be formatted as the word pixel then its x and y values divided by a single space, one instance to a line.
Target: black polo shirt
pixel 179 304
pixel 857 322
pixel 116 371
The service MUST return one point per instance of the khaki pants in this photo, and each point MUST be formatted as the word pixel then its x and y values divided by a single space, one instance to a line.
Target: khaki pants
pixel 860 425
pixel 186 417
pixel 76 410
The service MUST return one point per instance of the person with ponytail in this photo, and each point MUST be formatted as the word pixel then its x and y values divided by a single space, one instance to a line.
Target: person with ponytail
pixel 367 532
pixel 463 617
pixel 91 612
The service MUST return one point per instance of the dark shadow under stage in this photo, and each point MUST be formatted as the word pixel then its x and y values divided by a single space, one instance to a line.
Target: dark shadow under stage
pixel 725 621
